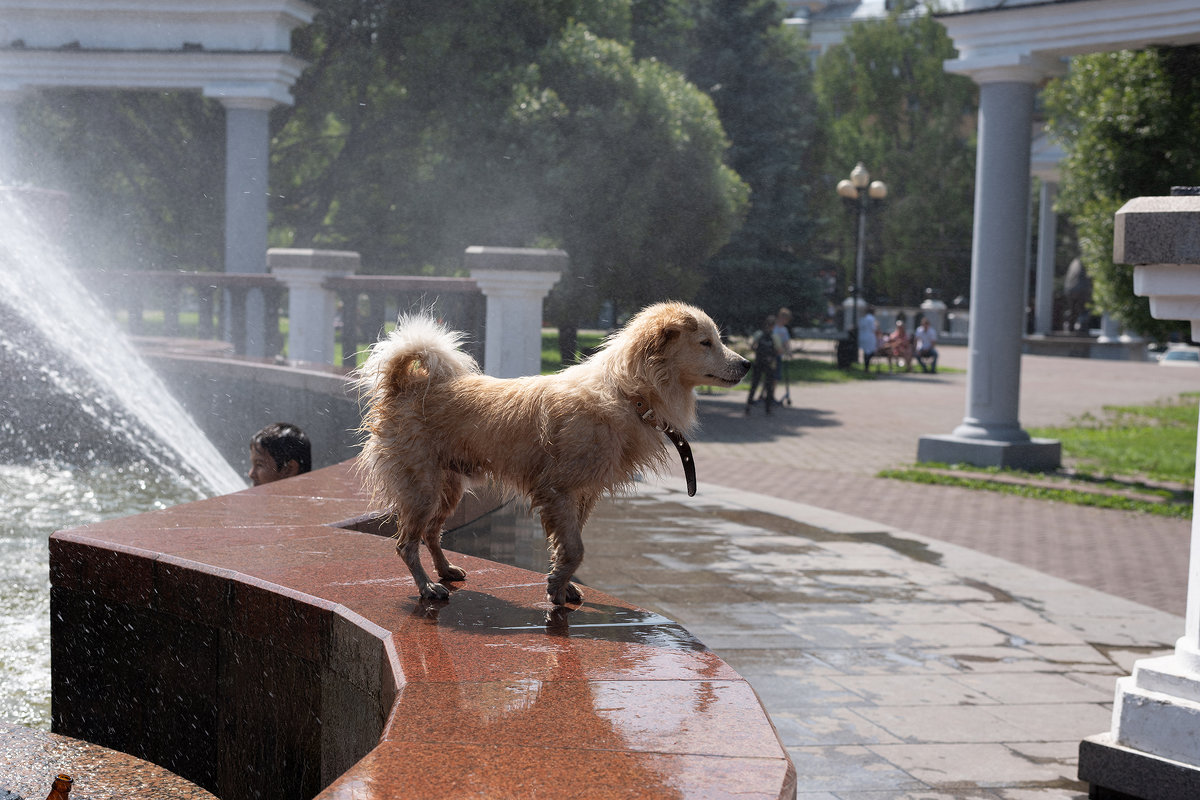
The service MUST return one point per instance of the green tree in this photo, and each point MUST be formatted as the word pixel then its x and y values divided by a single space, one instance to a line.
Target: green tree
pixel 138 167
pixel 758 74
pixel 887 101
pixel 1130 124
pixel 638 193
pixel 421 129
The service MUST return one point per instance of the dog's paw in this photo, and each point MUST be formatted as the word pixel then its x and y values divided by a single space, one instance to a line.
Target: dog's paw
pixel 453 573
pixel 569 594
pixel 434 591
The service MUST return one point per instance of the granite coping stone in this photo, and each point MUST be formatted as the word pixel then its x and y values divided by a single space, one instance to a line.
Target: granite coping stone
pixel 485 695
pixel 30 759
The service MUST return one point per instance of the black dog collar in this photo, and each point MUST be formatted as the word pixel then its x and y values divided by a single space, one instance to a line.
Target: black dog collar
pixel 643 410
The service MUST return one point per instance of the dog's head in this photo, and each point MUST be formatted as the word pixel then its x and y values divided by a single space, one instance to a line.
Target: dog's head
pixel 675 343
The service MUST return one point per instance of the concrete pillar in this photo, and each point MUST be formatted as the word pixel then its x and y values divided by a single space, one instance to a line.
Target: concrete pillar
pixel 1043 309
pixel 246 161
pixel 849 317
pixel 990 433
pixel 1110 329
pixel 514 281
pixel 312 309
pixel 1153 747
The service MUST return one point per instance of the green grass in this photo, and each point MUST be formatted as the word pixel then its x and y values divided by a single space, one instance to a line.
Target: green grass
pixel 1133 496
pixel 1156 441
pixel 552 359
pixel 1132 458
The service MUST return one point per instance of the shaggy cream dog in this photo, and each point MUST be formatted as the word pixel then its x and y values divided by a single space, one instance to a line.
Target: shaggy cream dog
pixel 561 440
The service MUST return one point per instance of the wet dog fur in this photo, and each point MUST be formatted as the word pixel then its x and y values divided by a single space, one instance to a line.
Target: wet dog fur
pixel 433 421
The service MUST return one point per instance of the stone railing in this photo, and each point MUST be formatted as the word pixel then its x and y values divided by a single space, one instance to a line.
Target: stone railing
pixel 266 643
pixel 218 300
pixel 499 306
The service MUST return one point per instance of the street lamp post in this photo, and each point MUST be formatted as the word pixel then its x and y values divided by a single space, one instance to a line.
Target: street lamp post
pixel 861 189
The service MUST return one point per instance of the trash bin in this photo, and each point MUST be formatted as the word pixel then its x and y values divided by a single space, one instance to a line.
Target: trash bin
pixel 847 350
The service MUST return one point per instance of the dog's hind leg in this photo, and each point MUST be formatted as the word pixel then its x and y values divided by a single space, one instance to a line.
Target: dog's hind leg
pixel 416 514
pixel 452 492
pixel 563 516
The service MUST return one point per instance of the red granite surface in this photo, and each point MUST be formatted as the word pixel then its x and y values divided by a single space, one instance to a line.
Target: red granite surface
pixel 30 759
pixel 492 694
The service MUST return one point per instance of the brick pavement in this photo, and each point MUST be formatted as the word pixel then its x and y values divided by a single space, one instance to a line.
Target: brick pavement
pixel 826 448
pixel 908 641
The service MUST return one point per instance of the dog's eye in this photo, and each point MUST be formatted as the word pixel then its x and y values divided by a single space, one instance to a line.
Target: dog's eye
pixel 706 343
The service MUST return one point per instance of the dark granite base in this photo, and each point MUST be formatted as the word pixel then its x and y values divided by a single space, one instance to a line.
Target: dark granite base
pixel 1114 772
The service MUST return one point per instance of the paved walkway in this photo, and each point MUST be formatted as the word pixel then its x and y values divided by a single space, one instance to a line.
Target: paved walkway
pixel 909 641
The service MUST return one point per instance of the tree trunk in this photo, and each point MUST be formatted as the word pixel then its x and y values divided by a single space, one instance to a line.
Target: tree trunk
pixel 568 344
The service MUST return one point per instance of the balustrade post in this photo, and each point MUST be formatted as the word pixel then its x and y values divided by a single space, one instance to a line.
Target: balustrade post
pixel 350 326
pixel 312 309
pixel 205 300
pixel 170 303
pixel 514 281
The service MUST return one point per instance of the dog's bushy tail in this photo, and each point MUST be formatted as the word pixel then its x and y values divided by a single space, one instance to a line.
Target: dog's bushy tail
pixel 419 351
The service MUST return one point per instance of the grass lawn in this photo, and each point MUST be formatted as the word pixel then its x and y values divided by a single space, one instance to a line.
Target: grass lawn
pixel 1134 458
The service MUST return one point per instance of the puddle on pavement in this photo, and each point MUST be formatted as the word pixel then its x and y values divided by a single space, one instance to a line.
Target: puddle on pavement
pixel 917 551
pixel 483 612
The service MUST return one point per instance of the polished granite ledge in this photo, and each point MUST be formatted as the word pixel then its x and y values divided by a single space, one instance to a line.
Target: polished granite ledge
pixel 30 759
pixel 265 643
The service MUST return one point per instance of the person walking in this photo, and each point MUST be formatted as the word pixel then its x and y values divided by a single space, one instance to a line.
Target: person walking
pixel 766 356
pixel 868 337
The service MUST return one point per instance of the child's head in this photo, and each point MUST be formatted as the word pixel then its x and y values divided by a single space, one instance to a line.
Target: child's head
pixel 279 450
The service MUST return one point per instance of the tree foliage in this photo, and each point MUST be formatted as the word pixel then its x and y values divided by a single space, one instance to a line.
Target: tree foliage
pixel 418 129
pixel 886 101
pixel 139 167
pixel 758 74
pixel 1130 124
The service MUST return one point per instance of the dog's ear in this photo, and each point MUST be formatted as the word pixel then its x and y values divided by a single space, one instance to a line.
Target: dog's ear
pixel 675 323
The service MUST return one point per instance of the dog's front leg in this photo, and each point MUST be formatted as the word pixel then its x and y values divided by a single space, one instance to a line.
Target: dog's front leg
pixel 563 517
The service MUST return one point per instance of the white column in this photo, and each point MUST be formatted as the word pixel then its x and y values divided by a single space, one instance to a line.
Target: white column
pixel 246 162
pixel 514 281
pixel 1043 315
pixel 990 433
pixel 998 263
pixel 1153 749
pixel 1110 329
pixel 312 309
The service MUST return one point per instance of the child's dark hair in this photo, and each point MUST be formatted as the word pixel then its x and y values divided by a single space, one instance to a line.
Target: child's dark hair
pixel 285 442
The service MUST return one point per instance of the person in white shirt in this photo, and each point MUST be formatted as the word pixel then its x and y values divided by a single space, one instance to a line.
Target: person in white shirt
pixel 868 336
pixel 925 341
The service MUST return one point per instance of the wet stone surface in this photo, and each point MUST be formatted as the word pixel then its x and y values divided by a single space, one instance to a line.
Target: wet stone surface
pixel 891 665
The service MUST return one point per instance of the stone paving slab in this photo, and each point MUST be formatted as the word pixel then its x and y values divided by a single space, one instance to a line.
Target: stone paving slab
pixel 894 665
pixel 909 641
